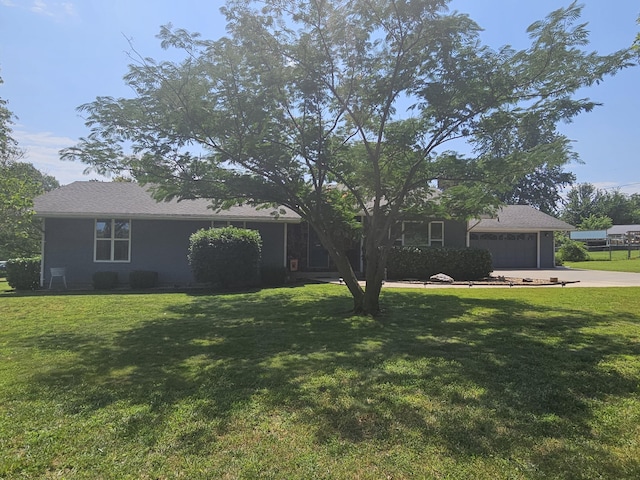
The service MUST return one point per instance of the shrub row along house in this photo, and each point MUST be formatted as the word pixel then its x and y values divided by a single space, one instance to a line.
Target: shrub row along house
pixel 92 227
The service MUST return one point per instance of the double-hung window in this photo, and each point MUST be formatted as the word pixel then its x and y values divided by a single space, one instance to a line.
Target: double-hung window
pixel 421 234
pixel 112 240
pixel 436 234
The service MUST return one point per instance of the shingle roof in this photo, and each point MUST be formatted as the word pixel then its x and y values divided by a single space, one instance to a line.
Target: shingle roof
pixel 126 199
pixel 519 217
pixel 623 229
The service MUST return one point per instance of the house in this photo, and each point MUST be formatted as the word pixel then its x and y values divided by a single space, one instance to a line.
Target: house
pixel 103 226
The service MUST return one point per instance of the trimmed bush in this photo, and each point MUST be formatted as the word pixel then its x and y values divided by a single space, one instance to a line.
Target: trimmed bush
pixel 24 273
pixel 105 280
pixel 141 279
pixel 226 257
pixel 422 262
pixel 572 251
pixel 273 276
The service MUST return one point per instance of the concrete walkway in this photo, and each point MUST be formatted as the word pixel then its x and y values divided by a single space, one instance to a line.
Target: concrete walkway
pixel 570 276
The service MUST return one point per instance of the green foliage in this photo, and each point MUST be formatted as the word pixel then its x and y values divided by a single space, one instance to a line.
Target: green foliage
pixel 572 251
pixel 422 262
pixel 105 280
pixel 141 279
pixel 585 201
pixel 595 222
pixel 24 273
pixel 302 97
pixel 228 257
pixel 20 183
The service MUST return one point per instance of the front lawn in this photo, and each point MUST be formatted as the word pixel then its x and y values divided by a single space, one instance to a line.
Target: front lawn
pixel 284 383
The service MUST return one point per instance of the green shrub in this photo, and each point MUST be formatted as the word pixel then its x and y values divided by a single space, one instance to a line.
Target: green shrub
pixel 105 280
pixel 422 262
pixel 273 276
pixel 24 273
pixel 572 251
pixel 140 279
pixel 226 257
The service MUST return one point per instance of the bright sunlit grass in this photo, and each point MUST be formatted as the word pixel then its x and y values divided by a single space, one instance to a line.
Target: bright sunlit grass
pixel 615 261
pixel 284 383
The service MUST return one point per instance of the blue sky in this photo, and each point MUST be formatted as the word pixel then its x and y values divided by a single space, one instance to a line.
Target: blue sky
pixel 57 55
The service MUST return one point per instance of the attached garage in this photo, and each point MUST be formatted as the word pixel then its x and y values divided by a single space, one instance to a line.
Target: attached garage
pixel 518 236
pixel 509 250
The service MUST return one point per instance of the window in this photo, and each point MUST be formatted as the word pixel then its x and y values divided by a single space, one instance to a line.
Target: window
pixel 418 234
pixel 112 240
pixel 436 234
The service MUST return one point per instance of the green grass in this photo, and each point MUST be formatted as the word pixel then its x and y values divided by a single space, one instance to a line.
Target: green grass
pixel 618 262
pixel 284 383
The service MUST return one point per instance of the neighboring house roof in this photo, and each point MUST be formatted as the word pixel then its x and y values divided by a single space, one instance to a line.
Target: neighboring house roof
pixel 518 218
pixel 130 200
pixel 589 235
pixel 623 229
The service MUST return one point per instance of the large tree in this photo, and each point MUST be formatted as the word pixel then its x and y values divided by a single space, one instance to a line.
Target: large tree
pixel 344 108
pixel 20 183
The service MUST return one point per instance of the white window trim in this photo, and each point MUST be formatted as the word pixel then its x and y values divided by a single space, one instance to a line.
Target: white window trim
pixel 112 241
pixel 431 239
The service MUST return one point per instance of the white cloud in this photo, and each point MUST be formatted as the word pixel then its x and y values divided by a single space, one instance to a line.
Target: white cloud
pixel 55 10
pixel 42 151
pixel 627 188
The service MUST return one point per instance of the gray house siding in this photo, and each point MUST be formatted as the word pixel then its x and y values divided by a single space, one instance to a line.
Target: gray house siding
pixel 455 234
pixel 273 242
pixel 69 243
pixel 156 245
pixel 547 250
pixel 161 246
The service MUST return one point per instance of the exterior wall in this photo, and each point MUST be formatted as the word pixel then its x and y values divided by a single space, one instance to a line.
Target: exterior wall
pixel 157 245
pixel 273 246
pixel 455 234
pixel 547 250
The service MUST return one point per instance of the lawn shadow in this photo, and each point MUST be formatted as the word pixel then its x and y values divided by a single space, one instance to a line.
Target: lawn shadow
pixel 475 376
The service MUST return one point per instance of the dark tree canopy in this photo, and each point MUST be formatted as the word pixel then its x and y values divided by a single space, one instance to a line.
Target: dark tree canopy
pixel 345 108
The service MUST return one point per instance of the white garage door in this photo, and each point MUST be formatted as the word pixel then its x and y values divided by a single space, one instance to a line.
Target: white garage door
pixel 509 250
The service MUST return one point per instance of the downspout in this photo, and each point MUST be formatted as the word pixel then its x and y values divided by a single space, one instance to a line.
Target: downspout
pixel 284 259
pixel 42 242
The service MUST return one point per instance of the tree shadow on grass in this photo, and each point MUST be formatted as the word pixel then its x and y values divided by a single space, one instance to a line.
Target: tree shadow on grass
pixel 476 376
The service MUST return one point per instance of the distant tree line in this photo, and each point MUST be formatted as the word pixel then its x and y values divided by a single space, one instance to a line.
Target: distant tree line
pixel 590 208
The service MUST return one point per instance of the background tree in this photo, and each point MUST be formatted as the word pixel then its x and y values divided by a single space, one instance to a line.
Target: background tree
pixel 541 188
pixel 595 222
pixel 585 201
pixel 20 183
pixel 345 108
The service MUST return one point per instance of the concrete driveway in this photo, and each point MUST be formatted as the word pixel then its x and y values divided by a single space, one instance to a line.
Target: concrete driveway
pixel 582 278
pixel 571 276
